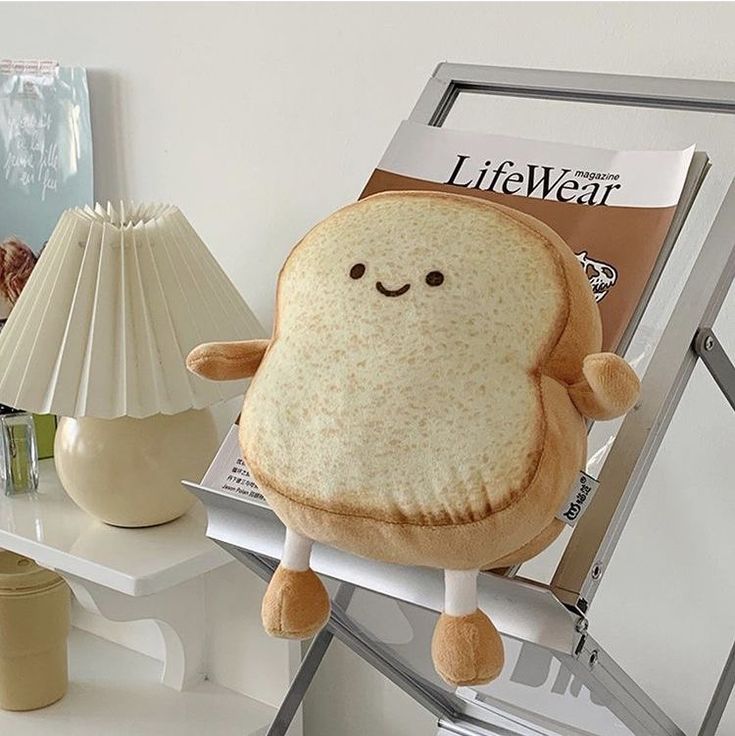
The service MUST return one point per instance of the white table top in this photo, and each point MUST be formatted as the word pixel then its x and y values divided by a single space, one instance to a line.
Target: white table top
pixel 48 527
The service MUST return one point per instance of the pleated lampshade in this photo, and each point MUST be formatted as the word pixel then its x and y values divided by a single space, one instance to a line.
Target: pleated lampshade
pixel 117 300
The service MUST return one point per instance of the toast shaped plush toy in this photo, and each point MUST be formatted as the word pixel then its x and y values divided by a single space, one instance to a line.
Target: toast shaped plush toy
pixel 422 401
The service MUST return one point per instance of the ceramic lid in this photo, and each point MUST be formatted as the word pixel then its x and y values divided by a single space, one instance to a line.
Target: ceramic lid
pixel 20 574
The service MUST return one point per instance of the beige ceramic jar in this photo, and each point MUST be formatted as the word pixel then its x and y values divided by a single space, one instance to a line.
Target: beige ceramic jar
pixel 34 625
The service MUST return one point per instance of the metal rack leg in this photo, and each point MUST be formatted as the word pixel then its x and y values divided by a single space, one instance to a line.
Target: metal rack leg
pixel 720 697
pixel 300 684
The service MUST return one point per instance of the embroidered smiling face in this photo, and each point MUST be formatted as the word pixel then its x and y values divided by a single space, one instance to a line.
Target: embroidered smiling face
pixel 433 278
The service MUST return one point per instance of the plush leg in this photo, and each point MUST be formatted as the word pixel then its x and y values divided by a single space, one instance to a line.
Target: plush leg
pixel 296 603
pixel 466 648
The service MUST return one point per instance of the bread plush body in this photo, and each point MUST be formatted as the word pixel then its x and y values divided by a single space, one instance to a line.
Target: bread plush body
pixel 422 401
pixel 418 419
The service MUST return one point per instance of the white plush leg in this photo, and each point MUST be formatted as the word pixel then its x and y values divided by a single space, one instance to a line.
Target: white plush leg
pixel 460 592
pixel 296 551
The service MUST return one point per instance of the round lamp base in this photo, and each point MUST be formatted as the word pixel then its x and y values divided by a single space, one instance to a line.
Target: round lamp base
pixel 128 472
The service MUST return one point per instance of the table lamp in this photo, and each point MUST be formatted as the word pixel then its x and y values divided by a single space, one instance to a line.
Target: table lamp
pixel 100 336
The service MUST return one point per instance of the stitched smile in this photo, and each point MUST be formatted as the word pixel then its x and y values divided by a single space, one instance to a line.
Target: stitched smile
pixel 392 292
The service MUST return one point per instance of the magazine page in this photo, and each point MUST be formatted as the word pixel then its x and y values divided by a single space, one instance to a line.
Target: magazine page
pixel 613 208
pixel 229 474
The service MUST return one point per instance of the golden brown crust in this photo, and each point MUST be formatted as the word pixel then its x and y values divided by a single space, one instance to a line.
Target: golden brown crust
pixel 529 550
pixel 473 545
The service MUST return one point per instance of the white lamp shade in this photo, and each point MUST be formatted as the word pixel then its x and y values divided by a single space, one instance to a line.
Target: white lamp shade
pixel 114 305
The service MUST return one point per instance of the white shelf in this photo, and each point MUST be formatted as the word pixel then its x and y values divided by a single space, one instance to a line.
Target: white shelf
pixel 154 573
pixel 51 529
pixel 113 690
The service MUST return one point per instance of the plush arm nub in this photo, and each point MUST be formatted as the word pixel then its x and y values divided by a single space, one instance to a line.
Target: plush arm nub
pixel 227 361
pixel 609 388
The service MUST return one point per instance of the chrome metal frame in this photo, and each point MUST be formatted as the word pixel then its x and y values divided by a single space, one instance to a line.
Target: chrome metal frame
pixel 584 562
pixel 552 617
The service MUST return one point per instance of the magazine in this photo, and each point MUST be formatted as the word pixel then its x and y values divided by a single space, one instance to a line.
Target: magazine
pixel 613 208
pixel 46 158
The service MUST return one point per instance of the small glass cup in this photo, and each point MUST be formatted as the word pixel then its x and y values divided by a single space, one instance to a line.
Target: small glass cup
pixel 19 462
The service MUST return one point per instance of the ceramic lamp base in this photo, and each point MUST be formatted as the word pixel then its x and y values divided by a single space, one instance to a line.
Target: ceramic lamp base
pixel 128 472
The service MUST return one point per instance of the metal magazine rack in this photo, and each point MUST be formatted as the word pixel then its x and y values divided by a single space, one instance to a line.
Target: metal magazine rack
pixel 544 625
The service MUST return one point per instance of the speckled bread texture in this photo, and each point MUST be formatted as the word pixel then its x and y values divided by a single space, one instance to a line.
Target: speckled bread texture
pixel 432 427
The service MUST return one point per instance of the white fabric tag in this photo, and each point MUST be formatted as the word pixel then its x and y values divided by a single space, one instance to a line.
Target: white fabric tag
pixel 579 498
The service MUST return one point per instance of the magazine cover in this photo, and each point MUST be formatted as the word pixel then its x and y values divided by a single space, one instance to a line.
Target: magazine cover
pixel 46 157
pixel 613 208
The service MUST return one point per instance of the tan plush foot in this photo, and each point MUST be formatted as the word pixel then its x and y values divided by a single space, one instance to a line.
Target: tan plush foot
pixel 296 604
pixel 467 650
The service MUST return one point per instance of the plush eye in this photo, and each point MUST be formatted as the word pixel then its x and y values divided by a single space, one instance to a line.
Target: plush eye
pixel 357 271
pixel 435 278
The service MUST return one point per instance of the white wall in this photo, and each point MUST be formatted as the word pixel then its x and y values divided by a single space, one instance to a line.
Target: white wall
pixel 260 119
